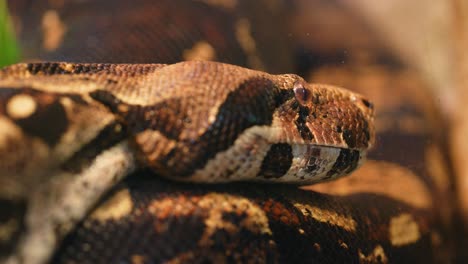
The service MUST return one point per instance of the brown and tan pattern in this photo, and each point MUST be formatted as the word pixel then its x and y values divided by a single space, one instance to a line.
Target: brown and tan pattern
pixel 249 223
pixel 396 208
pixel 192 121
pixel 193 113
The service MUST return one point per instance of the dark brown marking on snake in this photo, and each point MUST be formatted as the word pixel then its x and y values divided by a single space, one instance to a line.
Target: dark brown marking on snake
pixel 277 161
pixel 108 99
pixel 108 136
pixel 5 95
pixel 48 111
pixel 234 217
pixel 339 129
pixel 367 104
pixel 300 123
pixel 161 117
pixel 53 68
pixel 165 117
pixel 316 99
pixel 312 165
pixel 349 137
pixel 346 162
pixel 13 211
pixel 110 81
pixel 58 68
pixel 53 114
pixel 285 95
pixel 251 104
pixel 366 131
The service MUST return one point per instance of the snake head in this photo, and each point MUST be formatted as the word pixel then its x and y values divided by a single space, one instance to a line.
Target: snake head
pixel 319 132
pixel 331 116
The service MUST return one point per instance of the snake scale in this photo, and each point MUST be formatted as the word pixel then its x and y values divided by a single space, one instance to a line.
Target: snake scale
pixel 203 121
pixel 192 121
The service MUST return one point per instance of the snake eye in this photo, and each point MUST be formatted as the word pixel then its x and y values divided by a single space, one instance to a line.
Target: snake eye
pixel 302 94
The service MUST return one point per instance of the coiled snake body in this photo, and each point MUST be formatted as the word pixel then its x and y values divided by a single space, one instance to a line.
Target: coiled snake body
pixel 191 121
pixel 61 182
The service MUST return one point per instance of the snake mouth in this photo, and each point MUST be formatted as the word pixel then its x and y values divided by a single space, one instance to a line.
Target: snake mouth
pixel 308 163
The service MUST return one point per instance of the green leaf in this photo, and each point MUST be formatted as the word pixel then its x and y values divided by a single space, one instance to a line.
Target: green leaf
pixel 9 50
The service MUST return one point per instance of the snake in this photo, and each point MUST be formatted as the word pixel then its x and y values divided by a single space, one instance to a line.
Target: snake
pixel 106 168
pixel 192 121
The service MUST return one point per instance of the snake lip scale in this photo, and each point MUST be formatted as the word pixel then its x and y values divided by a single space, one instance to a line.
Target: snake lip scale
pixel 72 131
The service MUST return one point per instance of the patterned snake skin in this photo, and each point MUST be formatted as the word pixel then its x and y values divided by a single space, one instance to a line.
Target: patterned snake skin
pixel 366 218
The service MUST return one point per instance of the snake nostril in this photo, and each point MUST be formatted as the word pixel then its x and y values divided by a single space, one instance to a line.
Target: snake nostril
pixel 367 104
